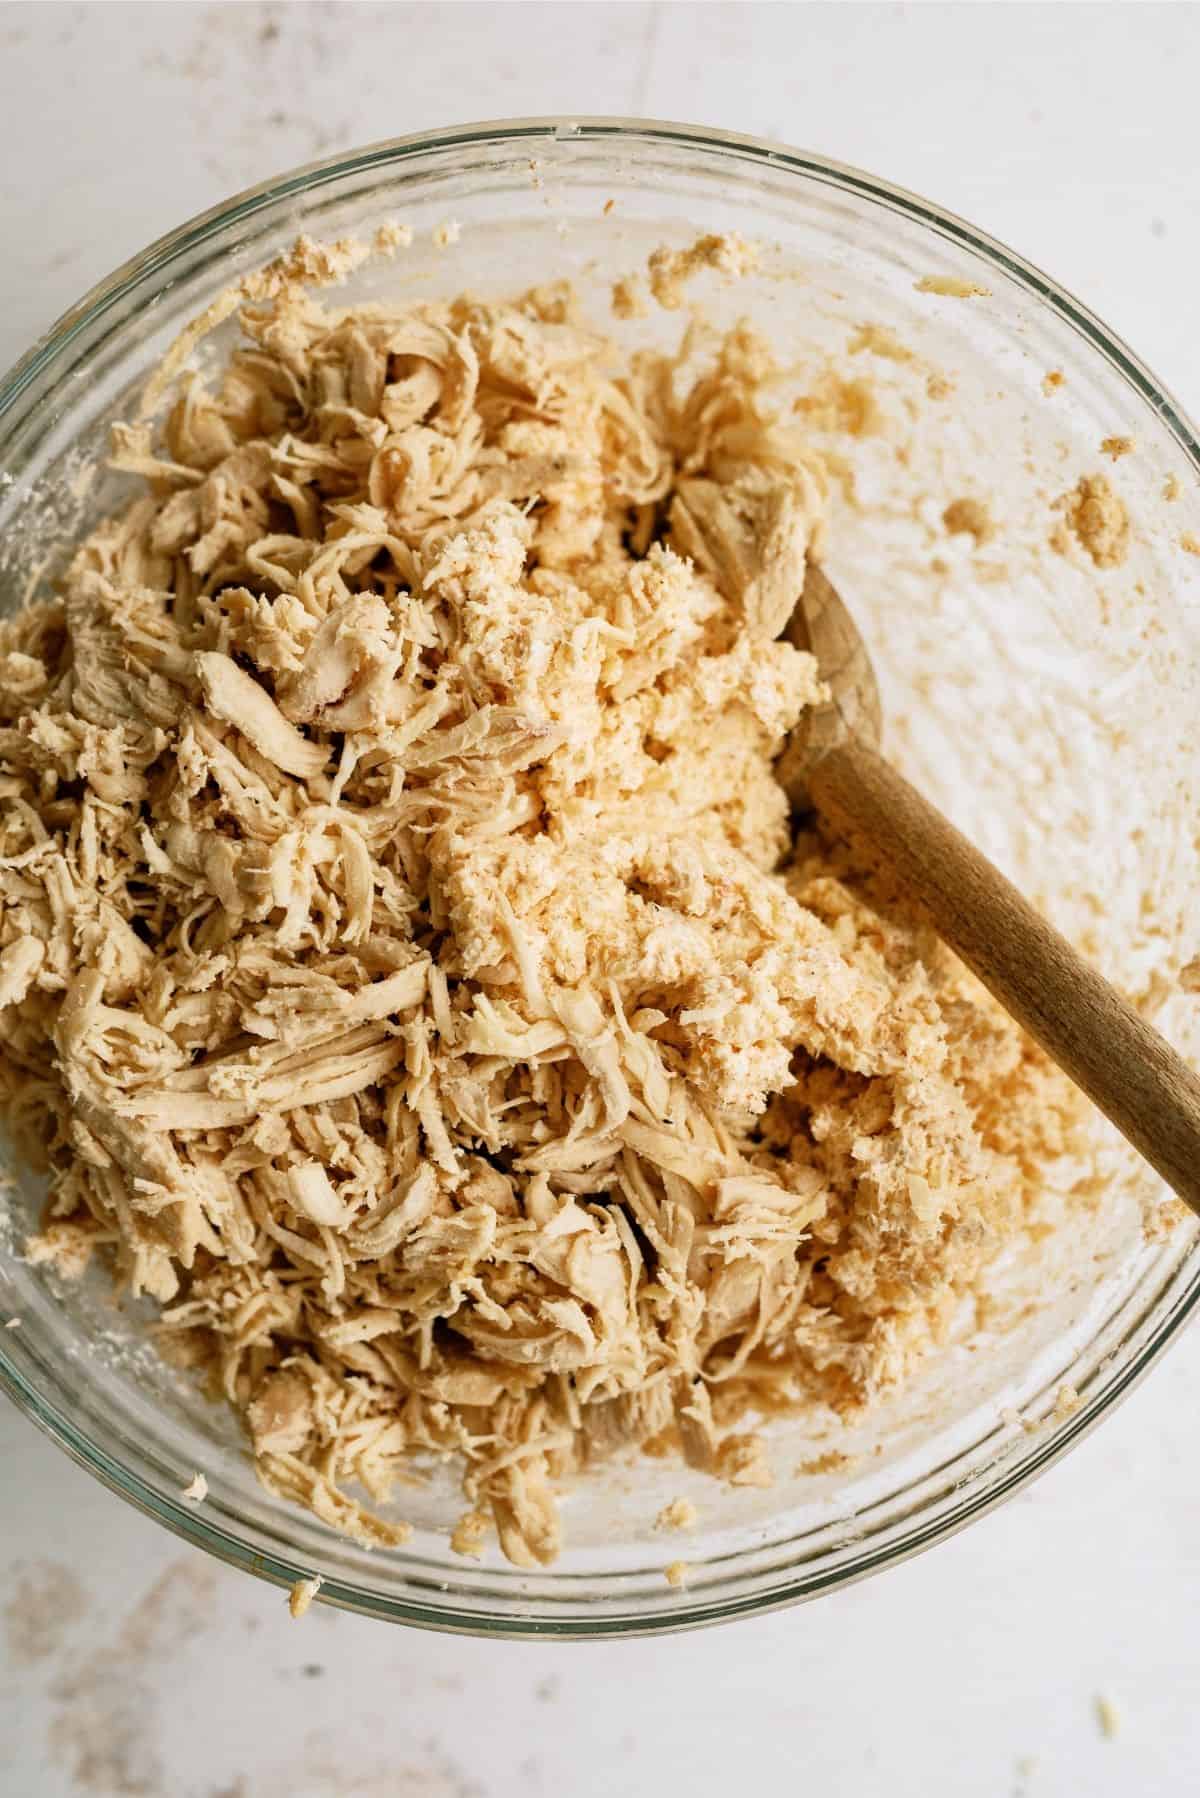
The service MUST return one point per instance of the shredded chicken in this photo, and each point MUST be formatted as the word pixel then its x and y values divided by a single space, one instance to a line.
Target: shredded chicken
pixel 407 978
pixel 302 1593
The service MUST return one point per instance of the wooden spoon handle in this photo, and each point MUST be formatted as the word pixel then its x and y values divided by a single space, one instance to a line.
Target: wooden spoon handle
pixel 1095 1036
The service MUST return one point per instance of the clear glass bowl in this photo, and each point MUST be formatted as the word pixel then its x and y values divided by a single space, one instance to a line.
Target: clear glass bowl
pixel 1047 705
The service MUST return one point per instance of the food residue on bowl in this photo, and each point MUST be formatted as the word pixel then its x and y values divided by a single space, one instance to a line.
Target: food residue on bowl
pixel 952 287
pixel 1094 516
pixel 680 1514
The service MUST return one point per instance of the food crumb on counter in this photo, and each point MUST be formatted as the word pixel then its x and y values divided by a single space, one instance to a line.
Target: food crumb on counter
pixel 44 1601
pixel 1116 447
pixel 677 1574
pixel 1108 1717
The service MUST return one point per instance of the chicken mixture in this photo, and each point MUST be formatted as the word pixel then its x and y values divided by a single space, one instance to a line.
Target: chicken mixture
pixel 410 981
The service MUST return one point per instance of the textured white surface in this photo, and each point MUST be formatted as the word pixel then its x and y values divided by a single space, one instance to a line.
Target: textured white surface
pixel 1063 129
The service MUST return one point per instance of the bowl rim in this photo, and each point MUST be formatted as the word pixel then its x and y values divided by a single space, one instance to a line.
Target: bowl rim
pixel 188 1521
pixel 384 152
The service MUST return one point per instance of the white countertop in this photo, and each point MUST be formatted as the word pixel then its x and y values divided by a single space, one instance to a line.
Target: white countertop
pixel 977 1669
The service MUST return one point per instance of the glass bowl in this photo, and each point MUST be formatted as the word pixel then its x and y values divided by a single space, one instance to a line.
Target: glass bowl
pixel 1046 704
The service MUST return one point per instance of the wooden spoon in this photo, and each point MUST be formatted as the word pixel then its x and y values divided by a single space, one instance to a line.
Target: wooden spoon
pixel 831 763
